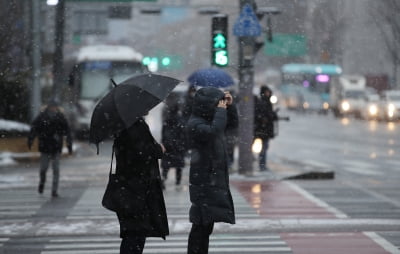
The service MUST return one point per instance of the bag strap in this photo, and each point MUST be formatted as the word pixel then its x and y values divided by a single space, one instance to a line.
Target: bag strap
pixel 112 159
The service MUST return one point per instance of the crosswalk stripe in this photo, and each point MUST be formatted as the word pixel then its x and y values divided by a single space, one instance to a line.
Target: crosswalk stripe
pixel 3 240
pixel 161 244
pixel 17 213
pixel 170 216
pixel 180 250
pixel 219 243
pixel 5 207
pixel 169 238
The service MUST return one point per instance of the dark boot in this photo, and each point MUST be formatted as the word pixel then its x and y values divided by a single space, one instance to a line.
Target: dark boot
pixel 178 176
pixel 40 188
pixel 54 194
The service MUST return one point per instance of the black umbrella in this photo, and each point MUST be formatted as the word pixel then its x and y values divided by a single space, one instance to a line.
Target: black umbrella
pixel 126 103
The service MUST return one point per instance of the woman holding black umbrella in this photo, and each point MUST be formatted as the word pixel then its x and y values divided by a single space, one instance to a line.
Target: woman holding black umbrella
pixel 137 155
pixel 134 191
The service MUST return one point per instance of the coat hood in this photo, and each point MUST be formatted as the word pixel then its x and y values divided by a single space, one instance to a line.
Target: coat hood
pixel 264 89
pixel 205 102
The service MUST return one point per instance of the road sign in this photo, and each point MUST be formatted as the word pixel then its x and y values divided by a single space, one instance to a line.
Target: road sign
pixel 247 23
pixel 286 45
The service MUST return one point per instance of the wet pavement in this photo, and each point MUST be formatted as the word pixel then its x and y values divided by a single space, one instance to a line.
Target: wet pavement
pixel 273 215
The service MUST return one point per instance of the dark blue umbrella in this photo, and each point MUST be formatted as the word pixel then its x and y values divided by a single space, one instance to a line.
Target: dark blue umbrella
pixel 210 77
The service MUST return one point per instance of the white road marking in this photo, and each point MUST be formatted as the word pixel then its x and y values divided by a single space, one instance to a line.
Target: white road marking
pixel 383 242
pixel 317 201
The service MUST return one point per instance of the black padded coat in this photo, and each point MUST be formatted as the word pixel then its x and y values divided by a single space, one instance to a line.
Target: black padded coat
pixel 209 177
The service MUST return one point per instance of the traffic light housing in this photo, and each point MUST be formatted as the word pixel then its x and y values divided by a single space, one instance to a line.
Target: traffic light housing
pixel 219 40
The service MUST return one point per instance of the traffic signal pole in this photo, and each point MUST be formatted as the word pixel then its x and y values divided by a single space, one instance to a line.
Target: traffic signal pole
pixel 36 60
pixel 246 103
pixel 58 56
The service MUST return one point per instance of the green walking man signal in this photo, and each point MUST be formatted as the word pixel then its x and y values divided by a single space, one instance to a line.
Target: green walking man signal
pixel 219 40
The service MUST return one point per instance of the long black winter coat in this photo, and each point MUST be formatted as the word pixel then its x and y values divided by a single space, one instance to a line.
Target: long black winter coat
pixel 264 117
pixel 209 178
pixel 50 128
pixel 137 155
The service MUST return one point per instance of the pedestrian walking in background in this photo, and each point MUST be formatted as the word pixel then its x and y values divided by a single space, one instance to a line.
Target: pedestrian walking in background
pixel 173 138
pixel 264 117
pixel 50 126
pixel 209 177
pixel 137 155
pixel 231 133
pixel 187 103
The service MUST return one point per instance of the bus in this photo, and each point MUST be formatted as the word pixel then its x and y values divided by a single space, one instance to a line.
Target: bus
pixel 307 86
pixel 90 74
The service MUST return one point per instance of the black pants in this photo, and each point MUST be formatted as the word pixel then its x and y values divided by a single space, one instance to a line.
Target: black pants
pixel 132 245
pixel 199 238
pixel 178 174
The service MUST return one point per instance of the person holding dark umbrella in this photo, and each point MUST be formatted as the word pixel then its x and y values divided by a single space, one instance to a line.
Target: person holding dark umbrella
pixel 137 155
pixel 209 177
pixel 120 115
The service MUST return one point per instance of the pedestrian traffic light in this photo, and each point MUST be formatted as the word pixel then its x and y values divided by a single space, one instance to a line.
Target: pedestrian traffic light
pixel 219 40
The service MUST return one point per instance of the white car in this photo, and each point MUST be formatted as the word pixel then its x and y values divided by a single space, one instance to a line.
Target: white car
pixel 373 107
pixel 391 105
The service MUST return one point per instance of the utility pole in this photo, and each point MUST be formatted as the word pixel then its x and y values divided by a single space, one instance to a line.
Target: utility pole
pixel 36 60
pixel 58 56
pixel 246 28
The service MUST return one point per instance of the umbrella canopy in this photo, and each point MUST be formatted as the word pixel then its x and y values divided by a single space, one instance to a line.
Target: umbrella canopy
pixel 210 77
pixel 126 103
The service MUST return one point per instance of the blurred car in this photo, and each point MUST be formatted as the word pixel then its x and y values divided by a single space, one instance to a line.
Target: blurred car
pixel 311 102
pixel 291 96
pixel 391 105
pixel 373 107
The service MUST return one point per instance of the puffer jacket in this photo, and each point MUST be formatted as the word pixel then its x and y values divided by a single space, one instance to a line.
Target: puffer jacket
pixel 209 177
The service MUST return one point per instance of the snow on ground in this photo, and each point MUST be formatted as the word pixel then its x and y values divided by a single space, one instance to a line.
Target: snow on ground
pixel 8 125
pixel 6 158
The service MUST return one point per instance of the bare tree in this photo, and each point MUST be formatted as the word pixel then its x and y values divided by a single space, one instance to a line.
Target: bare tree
pixel 327 25
pixel 385 13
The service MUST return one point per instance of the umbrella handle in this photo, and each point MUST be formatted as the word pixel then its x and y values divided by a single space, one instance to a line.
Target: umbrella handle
pixel 114 84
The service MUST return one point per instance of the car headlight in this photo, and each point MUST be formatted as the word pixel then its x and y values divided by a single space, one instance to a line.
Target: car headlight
pixel 273 99
pixel 373 110
pixel 391 107
pixel 257 145
pixel 345 106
